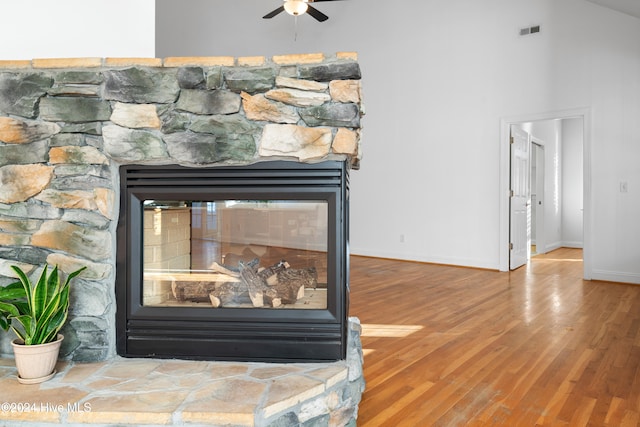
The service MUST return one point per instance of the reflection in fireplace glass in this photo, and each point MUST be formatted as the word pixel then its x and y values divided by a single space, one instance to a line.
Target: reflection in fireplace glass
pixel 235 253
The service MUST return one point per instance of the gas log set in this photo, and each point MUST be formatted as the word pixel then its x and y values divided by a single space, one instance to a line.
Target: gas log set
pixel 248 283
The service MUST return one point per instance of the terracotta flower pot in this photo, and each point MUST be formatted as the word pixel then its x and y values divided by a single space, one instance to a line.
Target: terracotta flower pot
pixel 36 363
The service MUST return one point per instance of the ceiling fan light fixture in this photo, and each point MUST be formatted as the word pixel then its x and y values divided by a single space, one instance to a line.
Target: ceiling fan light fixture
pixel 295 7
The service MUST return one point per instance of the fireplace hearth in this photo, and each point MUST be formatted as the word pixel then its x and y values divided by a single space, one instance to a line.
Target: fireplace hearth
pixel 234 263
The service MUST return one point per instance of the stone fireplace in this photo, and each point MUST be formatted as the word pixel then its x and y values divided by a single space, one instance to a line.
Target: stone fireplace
pixel 68 128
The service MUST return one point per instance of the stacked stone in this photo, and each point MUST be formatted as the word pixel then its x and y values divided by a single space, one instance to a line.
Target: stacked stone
pixel 56 194
pixel 338 405
pixel 66 126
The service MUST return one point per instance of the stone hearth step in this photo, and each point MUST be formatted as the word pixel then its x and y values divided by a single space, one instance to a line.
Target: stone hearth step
pixel 155 392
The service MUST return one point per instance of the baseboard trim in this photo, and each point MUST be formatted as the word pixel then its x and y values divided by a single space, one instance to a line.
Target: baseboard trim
pixel 575 245
pixel 457 262
pixel 615 276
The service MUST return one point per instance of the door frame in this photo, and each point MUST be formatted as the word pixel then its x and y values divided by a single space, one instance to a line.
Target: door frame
pixel 505 160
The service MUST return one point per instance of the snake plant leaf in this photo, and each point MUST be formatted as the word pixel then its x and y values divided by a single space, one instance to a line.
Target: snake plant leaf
pixel 12 291
pixel 53 284
pixel 74 274
pixel 11 302
pixel 7 311
pixel 39 294
pixel 26 332
pixel 9 308
pixel 21 305
pixel 26 284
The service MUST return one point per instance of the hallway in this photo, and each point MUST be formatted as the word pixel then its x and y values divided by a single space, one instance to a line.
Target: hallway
pixel 449 346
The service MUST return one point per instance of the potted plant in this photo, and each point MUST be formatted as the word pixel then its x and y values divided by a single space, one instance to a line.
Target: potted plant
pixel 36 311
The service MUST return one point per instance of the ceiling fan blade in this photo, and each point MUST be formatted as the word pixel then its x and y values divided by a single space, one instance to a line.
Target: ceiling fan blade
pixel 273 13
pixel 317 14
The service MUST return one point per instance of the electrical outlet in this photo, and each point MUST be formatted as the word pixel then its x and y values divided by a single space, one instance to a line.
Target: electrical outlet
pixel 402 238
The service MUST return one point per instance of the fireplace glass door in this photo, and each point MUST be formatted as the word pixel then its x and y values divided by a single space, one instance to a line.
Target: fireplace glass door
pixel 235 253
pixel 233 262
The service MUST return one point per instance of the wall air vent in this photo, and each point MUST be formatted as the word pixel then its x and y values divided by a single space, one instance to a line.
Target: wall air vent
pixel 530 30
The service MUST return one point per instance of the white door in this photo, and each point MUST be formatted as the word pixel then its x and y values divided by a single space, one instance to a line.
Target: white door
pixel 520 200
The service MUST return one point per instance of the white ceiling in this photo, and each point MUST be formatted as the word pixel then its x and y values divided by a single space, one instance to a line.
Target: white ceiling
pixel 630 7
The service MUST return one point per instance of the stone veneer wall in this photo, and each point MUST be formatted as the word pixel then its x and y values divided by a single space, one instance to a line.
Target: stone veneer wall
pixel 66 125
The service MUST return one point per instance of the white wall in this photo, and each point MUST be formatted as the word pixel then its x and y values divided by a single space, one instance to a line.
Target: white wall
pixel 77 28
pixel 572 188
pixel 437 79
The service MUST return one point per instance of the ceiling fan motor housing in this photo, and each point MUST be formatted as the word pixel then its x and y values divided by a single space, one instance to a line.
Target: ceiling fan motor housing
pixel 295 7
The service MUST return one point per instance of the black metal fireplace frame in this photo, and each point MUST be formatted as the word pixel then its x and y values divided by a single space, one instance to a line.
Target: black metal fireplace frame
pixel 239 334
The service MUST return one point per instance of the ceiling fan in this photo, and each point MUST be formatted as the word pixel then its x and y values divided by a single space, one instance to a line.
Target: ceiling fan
pixel 297 8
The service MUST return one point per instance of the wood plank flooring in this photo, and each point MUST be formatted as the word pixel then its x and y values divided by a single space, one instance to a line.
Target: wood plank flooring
pixel 447 346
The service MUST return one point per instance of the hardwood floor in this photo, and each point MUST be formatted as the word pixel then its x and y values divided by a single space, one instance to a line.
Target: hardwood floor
pixel 447 346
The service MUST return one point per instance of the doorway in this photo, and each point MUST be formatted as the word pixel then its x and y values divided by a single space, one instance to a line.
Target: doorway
pixel 549 221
